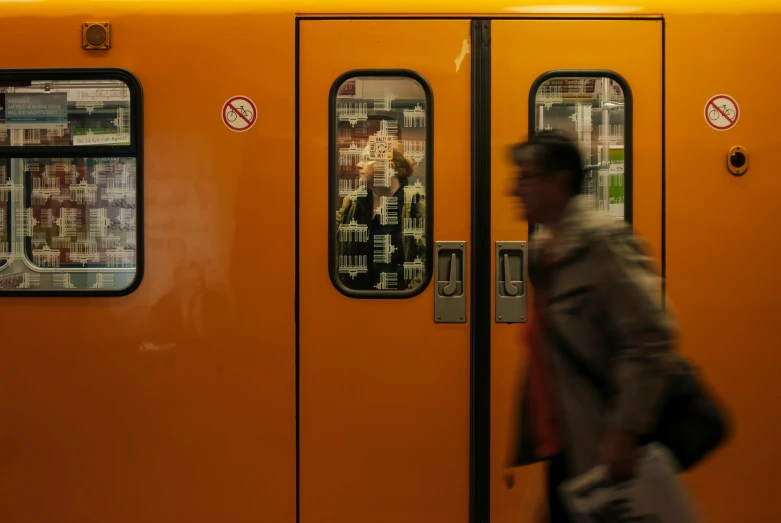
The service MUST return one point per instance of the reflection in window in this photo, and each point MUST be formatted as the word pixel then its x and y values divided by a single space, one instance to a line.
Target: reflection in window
pixel 68 221
pixel 380 174
pixel 70 216
pixel 592 111
pixel 65 112
pixel 82 213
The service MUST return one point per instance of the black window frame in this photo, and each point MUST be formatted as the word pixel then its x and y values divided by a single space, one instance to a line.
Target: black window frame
pixel 333 183
pixel 134 150
pixel 628 122
pixel 5 162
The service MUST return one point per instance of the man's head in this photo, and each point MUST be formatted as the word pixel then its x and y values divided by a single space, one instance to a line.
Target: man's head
pixel 549 171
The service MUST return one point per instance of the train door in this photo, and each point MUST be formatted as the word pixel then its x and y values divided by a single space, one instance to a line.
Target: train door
pixel 599 81
pixel 383 207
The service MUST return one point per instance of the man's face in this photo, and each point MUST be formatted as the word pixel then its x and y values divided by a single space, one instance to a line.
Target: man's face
pixel 538 192
pixel 529 190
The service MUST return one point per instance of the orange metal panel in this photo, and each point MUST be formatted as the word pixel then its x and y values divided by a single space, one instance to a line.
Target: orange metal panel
pixel 112 409
pixel 522 51
pixel 722 248
pixel 384 390
pixel 427 8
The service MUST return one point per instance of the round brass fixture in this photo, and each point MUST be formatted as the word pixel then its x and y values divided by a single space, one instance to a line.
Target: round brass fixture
pixel 737 160
pixel 96 35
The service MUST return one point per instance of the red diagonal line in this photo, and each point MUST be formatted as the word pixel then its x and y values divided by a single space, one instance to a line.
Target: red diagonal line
pixel 722 112
pixel 250 123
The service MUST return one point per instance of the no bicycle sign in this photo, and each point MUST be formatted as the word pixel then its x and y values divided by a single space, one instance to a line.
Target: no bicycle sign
pixel 722 112
pixel 239 114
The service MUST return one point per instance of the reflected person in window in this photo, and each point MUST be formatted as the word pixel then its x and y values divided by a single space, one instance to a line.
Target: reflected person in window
pixel 387 216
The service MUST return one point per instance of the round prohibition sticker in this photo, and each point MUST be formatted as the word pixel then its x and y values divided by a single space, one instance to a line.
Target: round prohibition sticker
pixel 722 112
pixel 239 114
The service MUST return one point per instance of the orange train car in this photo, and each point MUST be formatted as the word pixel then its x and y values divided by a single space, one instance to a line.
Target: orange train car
pixel 195 327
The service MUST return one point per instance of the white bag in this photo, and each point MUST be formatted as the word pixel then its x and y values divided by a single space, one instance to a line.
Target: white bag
pixel 654 495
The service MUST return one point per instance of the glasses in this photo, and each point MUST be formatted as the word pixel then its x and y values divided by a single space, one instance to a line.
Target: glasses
pixel 530 177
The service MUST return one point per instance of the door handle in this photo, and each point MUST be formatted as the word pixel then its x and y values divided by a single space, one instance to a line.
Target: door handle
pixel 509 288
pixel 450 271
pixel 450 288
pixel 511 278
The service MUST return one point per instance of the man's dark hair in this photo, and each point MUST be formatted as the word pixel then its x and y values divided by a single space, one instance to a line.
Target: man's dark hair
pixel 553 152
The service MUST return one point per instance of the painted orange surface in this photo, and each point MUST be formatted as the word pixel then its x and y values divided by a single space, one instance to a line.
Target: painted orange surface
pixel 722 249
pixel 94 426
pixel 112 410
pixel 384 390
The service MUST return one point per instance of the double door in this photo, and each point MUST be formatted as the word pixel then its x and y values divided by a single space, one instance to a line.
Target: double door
pixel 412 286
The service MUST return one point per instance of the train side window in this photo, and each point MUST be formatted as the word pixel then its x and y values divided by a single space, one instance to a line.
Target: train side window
pixel 70 182
pixel 380 184
pixel 595 109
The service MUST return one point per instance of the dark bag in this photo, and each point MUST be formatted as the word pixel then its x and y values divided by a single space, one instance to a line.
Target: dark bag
pixel 691 423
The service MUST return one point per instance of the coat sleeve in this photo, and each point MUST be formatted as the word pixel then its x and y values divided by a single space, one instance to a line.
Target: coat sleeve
pixel 642 331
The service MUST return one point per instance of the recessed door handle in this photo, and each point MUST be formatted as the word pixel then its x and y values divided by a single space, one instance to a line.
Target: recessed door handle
pixel 452 284
pixel 450 274
pixel 509 287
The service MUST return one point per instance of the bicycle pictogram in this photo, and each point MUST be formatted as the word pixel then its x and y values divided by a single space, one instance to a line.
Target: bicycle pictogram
pixel 717 112
pixel 232 115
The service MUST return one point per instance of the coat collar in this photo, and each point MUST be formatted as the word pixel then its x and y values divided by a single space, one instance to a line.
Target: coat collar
pixel 577 223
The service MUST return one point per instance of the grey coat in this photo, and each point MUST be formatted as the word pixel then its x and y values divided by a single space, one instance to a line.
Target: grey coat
pixel 604 299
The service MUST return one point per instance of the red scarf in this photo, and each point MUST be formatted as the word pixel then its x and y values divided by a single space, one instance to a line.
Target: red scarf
pixel 542 403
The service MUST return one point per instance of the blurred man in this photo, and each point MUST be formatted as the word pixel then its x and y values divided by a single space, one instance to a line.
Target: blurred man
pixel 596 316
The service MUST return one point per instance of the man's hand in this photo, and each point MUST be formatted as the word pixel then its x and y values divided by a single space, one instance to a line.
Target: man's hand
pixel 620 454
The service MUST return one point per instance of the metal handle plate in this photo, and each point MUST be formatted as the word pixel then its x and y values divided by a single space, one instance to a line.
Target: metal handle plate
pixel 511 277
pixel 450 272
